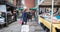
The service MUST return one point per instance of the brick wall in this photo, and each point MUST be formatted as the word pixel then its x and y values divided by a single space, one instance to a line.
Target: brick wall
pixel 29 3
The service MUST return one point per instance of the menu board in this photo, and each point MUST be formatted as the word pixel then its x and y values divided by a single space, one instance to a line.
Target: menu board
pixel 2 8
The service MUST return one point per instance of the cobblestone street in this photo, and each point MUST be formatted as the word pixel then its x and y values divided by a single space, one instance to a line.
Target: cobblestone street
pixel 16 27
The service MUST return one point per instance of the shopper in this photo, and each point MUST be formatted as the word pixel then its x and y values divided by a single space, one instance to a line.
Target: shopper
pixel 29 16
pixel 24 16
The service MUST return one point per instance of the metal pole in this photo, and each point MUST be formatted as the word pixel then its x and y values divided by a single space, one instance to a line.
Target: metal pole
pixel 52 16
pixel 6 17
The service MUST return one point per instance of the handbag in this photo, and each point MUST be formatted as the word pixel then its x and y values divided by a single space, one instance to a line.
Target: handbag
pixel 20 21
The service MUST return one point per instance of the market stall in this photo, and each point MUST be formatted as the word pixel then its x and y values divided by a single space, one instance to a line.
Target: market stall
pixel 2 15
pixel 44 17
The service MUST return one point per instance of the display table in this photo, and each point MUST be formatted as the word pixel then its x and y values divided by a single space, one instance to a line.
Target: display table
pixel 2 22
pixel 47 22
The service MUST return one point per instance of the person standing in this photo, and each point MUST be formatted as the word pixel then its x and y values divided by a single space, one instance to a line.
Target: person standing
pixel 15 16
pixel 24 16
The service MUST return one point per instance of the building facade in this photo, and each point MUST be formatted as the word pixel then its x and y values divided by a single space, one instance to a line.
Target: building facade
pixel 10 8
pixel 30 3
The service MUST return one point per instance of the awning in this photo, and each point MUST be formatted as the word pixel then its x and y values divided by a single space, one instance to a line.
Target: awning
pixel 20 9
pixel 56 6
pixel 33 9
pixel 2 2
pixel 11 5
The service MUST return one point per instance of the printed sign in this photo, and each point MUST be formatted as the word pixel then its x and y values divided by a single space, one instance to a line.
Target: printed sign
pixel 3 8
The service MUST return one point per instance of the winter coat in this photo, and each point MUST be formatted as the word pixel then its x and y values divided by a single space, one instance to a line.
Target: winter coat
pixel 24 16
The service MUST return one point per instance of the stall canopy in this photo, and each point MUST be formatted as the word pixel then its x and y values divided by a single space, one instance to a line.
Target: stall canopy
pixel 9 4
pixel 56 6
pixel 20 9
pixel 2 2
pixel 33 9
pixel 48 3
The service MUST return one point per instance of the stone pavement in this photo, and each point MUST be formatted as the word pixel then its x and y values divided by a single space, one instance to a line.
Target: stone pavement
pixel 16 27
pixel 35 27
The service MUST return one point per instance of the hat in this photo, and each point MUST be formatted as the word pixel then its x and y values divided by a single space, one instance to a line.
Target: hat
pixel 25 9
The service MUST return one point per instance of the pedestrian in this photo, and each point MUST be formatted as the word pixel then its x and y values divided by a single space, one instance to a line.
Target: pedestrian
pixel 29 16
pixel 15 16
pixel 24 16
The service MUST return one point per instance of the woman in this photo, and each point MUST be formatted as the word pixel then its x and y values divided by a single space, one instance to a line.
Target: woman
pixel 24 16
